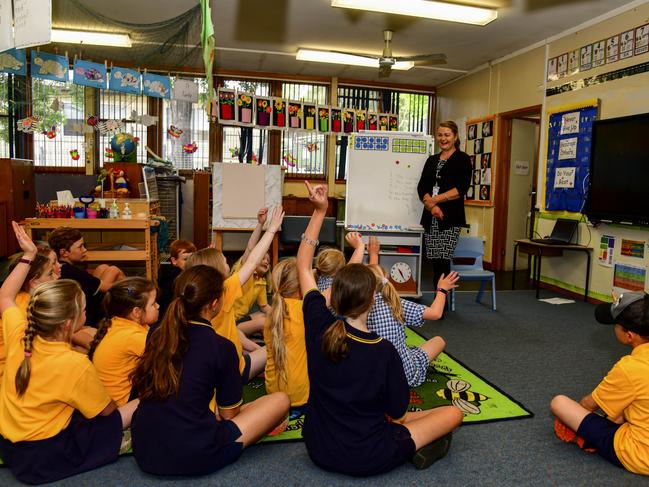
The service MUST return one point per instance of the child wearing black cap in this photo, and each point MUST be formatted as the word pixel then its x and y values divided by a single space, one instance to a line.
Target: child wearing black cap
pixel 623 395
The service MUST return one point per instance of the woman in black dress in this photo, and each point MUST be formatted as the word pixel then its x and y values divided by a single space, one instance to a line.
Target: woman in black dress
pixel 444 182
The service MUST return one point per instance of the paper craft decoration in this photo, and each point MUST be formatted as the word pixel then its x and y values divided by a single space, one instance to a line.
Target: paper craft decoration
pixel 309 112
pixel 552 69
pixel 49 66
pixel 263 111
pixel 641 39
pixel 372 121
pixel 108 126
pixel 28 125
pixel 479 146
pixel 586 58
pixel 279 113
pixel 174 131
pixel 349 119
pixel 324 114
pixel 627 44
pixel 125 80
pixel 145 119
pixel 13 61
pixel 562 65
pixel 599 54
pixel 90 74
pixel 74 154
pixel 573 62
pixel 612 49
pixel 225 109
pixel 393 121
pixel 245 109
pixel 185 90
pixel 295 115
pixel 336 120
pixel 361 120
pixel 50 134
pixel 190 148
pixel 156 86
pixel 383 122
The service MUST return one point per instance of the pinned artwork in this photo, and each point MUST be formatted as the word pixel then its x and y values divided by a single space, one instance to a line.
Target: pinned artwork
pixel 108 126
pixel 28 125
pixel 309 114
pixel 49 66
pixel 244 109
pixel 185 90
pixel 336 120
pixel 586 58
pixel 349 117
pixel 263 111
pixel 599 53
pixel 145 119
pixel 573 62
pixel 51 133
pixel 324 114
pixel 90 74
pixel 372 121
pixel 479 146
pixel 108 153
pixel 156 86
pixel 361 120
pixel 383 122
pixel 641 40
pixel 552 73
pixel 225 108
pixel 74 154
pixel 626 44
pixel 612 49
pixel 125 80
pixel 190 148
pixel 393 121
pixel 294 115
pixel 562 65
pixel 174 131
pixel 13 61
pixel 279 113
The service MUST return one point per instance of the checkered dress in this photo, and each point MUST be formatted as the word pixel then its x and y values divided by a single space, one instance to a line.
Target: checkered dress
pixel 324 282
pixel 440 244
pixel 382 322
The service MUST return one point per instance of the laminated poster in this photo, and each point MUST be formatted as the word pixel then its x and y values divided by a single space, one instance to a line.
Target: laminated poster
pixel 627 277
pixel 606 248
pixel 633 248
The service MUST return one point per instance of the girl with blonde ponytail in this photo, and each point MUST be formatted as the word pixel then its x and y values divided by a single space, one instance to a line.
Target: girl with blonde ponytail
pixel 286 368
pixel 52 404
pixel 357 422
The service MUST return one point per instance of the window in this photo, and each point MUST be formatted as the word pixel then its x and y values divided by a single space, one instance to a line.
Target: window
pixel 192 119
pixel 304 153
pixel 60 107
pixel 4 114
pixel 235 139
pixel 414 112
pixel 114 105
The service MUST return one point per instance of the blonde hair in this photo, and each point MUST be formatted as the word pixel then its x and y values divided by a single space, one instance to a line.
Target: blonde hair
pixel 388 292
pixel 285 283
pixel 210 257
pixel 52 304
pixel 328 262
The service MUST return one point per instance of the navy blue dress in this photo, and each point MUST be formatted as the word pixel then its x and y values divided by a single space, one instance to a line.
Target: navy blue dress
pixel 181 435
pixel 345 427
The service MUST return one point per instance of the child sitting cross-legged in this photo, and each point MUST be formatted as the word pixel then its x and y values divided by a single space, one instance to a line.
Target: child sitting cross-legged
pixel 622 436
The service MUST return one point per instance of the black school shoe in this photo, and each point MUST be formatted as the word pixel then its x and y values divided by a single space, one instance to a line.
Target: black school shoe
pixel 429 454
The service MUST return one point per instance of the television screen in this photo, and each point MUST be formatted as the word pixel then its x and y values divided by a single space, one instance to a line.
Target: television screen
pixel 619 171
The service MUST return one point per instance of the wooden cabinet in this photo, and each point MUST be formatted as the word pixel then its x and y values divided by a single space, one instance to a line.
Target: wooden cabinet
pixel 17 199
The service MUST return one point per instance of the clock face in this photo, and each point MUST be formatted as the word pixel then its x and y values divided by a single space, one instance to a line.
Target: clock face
pixel 400 272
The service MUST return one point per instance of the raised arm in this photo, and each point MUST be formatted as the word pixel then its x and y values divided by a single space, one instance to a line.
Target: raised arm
pixel 259 250
pixel 318 196
pixel 373 247
pixel 355 240
pixel 256 233
pixel 15 280
pixel 446 283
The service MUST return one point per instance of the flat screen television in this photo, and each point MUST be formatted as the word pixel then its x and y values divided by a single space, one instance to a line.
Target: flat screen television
pixel 619 171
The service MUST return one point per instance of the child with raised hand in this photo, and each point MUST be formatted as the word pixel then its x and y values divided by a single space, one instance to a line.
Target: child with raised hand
pixel 286 367
pixel 185 363
pixel 130 307
pixel 56 418
pixel 390 315
pixel 622 435
pixel 250 364
pixel 356 378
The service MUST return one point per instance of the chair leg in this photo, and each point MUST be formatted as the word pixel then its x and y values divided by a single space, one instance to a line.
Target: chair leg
pixel 493 294
pixel 481 291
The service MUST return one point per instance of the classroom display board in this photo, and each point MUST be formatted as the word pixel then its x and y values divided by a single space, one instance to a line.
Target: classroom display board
pixel 239 190
pixel 480 146
pixel 383 172
pixel 568 161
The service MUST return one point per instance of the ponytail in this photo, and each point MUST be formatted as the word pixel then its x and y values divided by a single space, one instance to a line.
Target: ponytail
pixel 392 299
pixel 25 370
pixel 102 329
pixel 334 341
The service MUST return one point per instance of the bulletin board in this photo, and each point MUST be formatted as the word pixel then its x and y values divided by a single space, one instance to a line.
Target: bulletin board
pixel 569 138
pixel 481 147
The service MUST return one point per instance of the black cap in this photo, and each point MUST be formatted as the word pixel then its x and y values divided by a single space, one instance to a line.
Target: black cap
pixel 630 310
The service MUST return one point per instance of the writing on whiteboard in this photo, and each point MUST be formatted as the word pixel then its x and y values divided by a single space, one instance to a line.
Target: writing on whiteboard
pixel 568 149
pixel 569 123
pixel 402 189
pixel 564 177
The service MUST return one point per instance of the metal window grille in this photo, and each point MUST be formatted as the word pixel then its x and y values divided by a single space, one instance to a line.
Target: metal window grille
pixel 114 105
pixel 4 114
pixel 304 153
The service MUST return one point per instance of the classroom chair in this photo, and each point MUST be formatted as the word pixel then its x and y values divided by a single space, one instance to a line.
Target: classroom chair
pixel 467 262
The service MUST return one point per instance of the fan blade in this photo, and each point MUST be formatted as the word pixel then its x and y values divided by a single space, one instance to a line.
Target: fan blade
pixel 369 56
pixel 424 59
pixel 385 70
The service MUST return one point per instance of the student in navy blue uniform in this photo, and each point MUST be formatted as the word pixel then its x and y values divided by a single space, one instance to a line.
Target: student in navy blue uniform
pixel 356 422
pixel 185 363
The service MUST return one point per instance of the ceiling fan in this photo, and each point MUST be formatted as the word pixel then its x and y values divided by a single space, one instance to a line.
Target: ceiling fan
pixel 387 60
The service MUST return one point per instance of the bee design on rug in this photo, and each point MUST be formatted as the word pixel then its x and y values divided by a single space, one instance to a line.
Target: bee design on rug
pixel 457 391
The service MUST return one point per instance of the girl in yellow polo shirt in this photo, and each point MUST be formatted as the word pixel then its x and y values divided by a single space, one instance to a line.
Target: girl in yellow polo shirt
pixel 130 306
pixel 56 418
pixel 286 369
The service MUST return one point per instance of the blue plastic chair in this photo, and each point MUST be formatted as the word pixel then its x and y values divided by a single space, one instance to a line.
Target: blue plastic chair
pixel 467 262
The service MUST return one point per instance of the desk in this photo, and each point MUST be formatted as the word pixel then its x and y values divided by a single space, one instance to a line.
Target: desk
pixel 538 250
pixel 218 241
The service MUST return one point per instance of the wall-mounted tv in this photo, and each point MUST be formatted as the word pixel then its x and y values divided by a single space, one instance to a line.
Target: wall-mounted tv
pixel 619 171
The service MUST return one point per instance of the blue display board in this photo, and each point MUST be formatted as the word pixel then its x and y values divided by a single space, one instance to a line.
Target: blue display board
pixel 568 158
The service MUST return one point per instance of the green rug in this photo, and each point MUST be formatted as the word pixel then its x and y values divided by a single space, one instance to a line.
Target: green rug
pixel 448 381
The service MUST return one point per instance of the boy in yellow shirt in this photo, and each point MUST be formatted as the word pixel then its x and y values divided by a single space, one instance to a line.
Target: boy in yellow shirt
pixel 623 395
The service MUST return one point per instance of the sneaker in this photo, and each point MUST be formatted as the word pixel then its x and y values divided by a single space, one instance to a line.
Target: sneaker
pixel 429 454
pixel 126 445
pixel 569 436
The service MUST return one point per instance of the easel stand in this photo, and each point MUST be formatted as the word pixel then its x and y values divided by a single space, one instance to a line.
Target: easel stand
pixel 218 241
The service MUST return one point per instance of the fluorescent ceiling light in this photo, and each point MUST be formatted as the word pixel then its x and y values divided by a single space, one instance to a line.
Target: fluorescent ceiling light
pixel 350 59
pixel 92 38
pixel 450 12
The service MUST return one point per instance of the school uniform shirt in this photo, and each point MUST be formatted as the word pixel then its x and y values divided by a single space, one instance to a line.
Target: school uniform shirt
pixel 181 435
pixel 324 282
pixel 224 323
pixel 61 382
pixel 253 291
pixel 345 427
pixel 381 321
pixel 90 286
pixel 625 392
pixel 116 357
pixel 22 301
pixel 297 386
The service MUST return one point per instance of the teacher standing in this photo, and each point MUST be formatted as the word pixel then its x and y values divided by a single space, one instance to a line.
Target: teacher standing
pixel 444 182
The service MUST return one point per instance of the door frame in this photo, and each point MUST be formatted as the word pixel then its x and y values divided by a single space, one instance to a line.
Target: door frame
pixel 501 202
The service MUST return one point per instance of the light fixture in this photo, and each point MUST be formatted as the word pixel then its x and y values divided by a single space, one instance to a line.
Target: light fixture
pixel 92 38
pixel 450 12
pixel 350 59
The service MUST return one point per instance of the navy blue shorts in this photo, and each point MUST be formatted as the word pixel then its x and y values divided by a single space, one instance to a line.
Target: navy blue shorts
pixel 245 375
pixel 231 452
pixel 598 433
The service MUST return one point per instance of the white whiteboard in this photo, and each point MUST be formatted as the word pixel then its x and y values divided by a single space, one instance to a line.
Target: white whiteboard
pixel 273 180
pixel 383 170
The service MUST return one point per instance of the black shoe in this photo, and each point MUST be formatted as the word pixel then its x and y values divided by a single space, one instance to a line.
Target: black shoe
pixel 429 454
